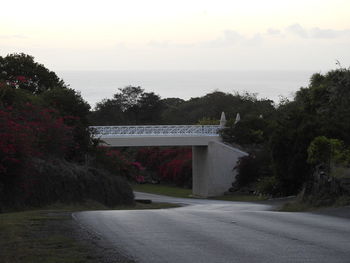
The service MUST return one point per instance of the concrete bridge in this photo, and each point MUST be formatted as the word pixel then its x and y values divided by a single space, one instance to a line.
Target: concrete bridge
pixel 212 160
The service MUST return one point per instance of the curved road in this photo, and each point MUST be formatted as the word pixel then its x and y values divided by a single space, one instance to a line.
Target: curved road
pixel 220 231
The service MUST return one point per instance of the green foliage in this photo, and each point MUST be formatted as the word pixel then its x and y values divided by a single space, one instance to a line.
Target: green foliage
pixel 111 160
pixel 160 189
pixel 288 143
pixel 60 181
pixel 321 150
pixel 131 105
pixel 208 121
pixel 296 132
pixel 250 168
pixel 211 106
pixel 322 109
pixel 327 100
pixel 331 154
pixel 14 97
pixel 167 164
pixel 43 126
pixel 69 103
pixel 21 71
pixel 267 185
pixel 251 130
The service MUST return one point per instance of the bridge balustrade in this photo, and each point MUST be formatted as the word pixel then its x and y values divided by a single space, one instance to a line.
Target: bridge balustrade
pixel 156 130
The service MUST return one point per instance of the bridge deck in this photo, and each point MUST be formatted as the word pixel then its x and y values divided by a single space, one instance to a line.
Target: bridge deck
pixel 160 135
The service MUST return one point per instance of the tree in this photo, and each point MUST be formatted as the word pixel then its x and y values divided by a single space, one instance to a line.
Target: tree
pixel 68 102
pixel 23 81
pixel 107 112
pixel 328 152
pixel 130 106
pixel 321 109
pixel 75 110
pixel 21 71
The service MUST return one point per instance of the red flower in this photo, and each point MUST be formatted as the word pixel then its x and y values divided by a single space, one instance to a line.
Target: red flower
pixel 21 78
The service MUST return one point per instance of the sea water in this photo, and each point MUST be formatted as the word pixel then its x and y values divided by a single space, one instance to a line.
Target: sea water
pixel 97 85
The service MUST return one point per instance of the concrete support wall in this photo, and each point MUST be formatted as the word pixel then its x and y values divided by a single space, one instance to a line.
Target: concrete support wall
pixel 130 141
pixel 213 166
pixel 200 168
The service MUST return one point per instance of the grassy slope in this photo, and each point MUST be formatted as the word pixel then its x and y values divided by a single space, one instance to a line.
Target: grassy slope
pixel 37 236
pixel 163 190
pixel 25 237
pixel 187 193
pixel 311 205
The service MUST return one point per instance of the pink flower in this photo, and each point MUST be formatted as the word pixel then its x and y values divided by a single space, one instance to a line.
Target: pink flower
pixel 140 179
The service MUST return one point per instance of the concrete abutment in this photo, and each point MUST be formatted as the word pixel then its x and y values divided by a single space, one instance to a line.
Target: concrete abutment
pixel 212 167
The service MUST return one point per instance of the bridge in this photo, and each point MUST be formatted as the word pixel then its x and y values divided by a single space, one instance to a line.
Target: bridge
pixel 158 135
pixel 212 160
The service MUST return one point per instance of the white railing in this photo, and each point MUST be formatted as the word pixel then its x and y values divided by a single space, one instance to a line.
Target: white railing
pixel 157 130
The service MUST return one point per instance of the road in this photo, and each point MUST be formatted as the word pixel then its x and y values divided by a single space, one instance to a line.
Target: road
pixel 219 231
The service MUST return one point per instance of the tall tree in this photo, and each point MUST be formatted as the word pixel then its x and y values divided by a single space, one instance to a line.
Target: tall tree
pixel 21 71
pixel 131 105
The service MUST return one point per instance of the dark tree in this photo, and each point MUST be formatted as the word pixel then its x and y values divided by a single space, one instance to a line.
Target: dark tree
pixel 21 71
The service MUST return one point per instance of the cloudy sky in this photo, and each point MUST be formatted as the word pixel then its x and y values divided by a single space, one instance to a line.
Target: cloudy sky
pixel 179 34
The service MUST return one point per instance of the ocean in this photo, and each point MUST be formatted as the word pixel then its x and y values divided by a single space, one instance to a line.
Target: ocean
pixel 97 85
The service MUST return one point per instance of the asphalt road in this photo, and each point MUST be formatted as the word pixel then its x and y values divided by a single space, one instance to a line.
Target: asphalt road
pixel 211 231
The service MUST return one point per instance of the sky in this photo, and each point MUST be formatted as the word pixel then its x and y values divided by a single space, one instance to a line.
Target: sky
pixel 179 34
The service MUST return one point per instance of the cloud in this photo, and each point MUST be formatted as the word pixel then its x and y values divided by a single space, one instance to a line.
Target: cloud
pixel 158 44
pixel 13 37
pixel 226 39
pixel 316 32
pixel 329 33
pixel 297 30
pixel 232 38
pixel 273 31
pixel 256 40
pixel 168 44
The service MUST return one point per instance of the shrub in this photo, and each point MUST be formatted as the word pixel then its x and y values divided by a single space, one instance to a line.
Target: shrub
pixel 118 164
pixel 56 180
pixel 267 185
pixel 250 168
pixel 171 165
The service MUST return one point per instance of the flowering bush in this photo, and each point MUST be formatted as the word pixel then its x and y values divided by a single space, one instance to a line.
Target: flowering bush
pixel 27 133
pixel 118 164
pixel 173 165
pixel 43 131
pixel 16 140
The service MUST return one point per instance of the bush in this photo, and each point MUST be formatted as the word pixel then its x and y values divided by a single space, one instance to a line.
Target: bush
pixel 267 185
pixel 26 133
pixel 171 165
pixel 57 180
pixel 118 164
pixel 250 168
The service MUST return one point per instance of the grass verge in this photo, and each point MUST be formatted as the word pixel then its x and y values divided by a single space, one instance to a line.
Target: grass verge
pixel 163 190
pixel 187 193
pixel 313 204
pixel 46 236
pixel 240 198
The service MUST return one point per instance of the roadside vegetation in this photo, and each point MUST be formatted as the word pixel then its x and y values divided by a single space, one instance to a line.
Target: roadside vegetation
pixel 302 148
pixel 51 235
pixel 48 154
pixel 176 191
pixel 161 189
